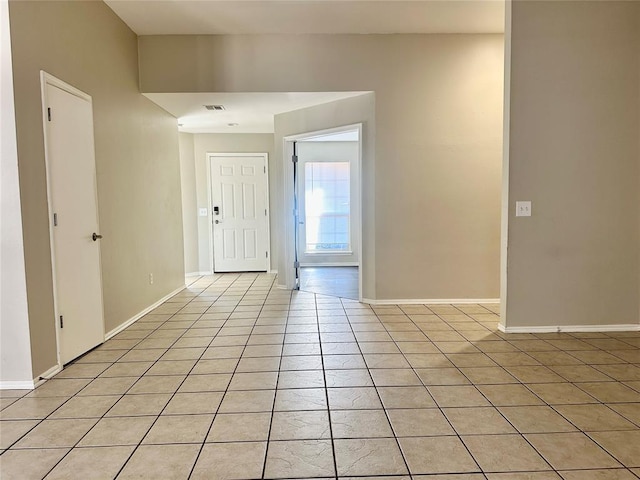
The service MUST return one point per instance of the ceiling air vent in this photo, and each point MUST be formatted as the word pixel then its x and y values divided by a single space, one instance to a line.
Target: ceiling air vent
pixel 216 108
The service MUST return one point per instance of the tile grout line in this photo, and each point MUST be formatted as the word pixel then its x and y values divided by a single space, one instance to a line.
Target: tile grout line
pixel 48 417
pixel 375 387
pixel 177 388
pixel 326 390
pixel 526 386
pixel 453 325
pixel 521 435
pixel 275 393
pixel 426 388
pixel 204 440
pixel 108 409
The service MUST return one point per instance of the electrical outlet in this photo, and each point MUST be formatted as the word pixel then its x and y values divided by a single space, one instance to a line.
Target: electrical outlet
pixel 523 209
pixel 151 279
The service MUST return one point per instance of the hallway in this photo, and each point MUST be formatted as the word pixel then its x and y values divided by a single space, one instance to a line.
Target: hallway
pixel 235 379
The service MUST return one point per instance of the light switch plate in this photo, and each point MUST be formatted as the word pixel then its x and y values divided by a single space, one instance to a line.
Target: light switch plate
pixel 523 209
pixel 202 212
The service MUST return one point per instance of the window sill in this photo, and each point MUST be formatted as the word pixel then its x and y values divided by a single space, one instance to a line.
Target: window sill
pixel 341 253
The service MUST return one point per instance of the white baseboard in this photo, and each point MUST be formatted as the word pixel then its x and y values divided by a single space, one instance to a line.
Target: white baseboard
pixel 19 385
pixel 141 314
pixel 31 384
pixel 431 301
pixel 43 377
pixel 275 272
pixel 623 327
pixel 198 274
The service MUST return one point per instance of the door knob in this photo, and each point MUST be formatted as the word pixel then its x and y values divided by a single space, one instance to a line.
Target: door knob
pixel 217 221
pixel 95 236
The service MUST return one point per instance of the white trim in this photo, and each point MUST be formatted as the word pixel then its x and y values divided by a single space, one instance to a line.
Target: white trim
pixel 47 375
pixel 328 253
pixel 431 301
pixel 330 264
pixel 287 220
pixel 621 327
pixel 210 156
pixel 314 152
pixel 141 314
pixel 287 151
pixel 31 384
pixel 48 79
pixel 197 274
pixel 23 385
pixel 273 271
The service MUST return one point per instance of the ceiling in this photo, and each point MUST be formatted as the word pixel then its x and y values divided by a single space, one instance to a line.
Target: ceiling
pixel 252 112
pixel 190 17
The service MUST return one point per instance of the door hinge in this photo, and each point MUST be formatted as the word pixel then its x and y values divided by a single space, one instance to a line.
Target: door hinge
pixel 55 219
pixel 61 321
pixel 294 159
pixel 265 169
pixel 49 113
pixel 296 264
pixel 266 254
pixel 265 212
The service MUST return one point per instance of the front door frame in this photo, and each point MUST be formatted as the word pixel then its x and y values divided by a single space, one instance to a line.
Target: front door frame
pixel 210 218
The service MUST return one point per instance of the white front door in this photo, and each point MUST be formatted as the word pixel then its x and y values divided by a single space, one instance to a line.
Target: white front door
pixel 239 197
pixel 71 184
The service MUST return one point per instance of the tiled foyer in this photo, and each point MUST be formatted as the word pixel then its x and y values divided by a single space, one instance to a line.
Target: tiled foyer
pixel 235 379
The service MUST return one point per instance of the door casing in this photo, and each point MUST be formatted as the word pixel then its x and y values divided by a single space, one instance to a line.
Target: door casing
pixel 288 275
pixel 49 80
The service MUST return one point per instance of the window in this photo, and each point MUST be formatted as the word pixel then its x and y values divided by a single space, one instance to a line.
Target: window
pixel 327 207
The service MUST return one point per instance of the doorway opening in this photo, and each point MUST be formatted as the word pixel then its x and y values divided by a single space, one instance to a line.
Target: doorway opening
pixel 326 241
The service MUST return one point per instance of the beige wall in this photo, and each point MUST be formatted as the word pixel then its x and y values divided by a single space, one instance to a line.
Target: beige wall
pixel 350 111
pixel 86 45
pixel 437 170
pixel 189 203
pixel 228 143
pixel 574 153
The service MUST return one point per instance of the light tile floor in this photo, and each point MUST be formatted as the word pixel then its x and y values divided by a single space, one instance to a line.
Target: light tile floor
pixel 336 281
pixel 235 379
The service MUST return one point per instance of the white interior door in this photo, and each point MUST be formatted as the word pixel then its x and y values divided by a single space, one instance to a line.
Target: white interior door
pixel 239 197
pixel 71 183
